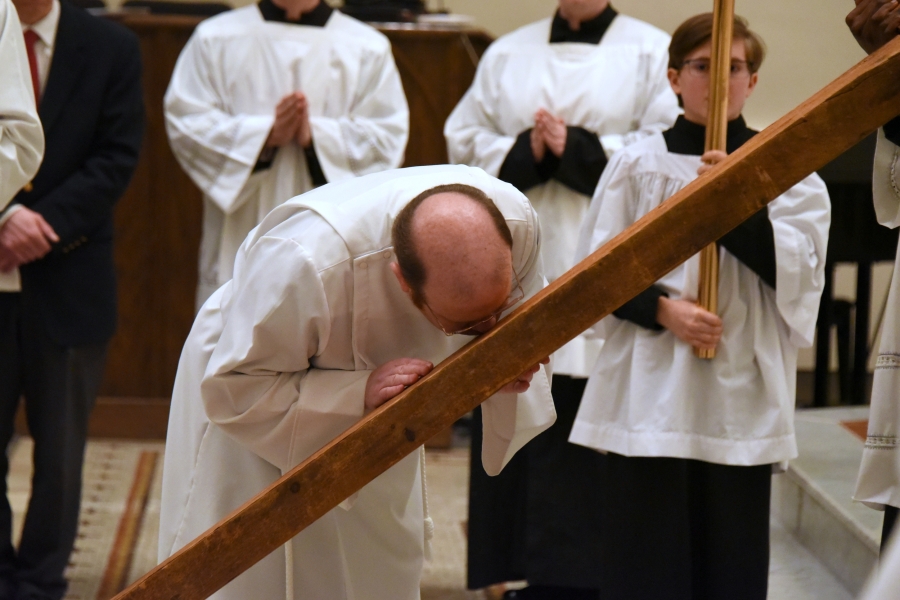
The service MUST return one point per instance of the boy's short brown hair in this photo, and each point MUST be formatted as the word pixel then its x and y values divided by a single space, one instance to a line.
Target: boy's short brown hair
pixel 697 30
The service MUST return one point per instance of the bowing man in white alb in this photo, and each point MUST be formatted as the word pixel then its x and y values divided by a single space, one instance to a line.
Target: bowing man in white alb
pixel 21 135
pixel 690 443
pixel 270 100
pixel 549 104
pixel 374 278
pixel 874 23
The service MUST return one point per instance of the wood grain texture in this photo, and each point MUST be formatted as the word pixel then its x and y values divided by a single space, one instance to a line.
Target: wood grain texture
pixel 719 74
pixel 436 68
pixel 818 130
pixel 116 574
pixel 716 139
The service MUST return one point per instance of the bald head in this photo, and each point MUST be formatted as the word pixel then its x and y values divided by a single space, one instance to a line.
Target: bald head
pixel 454 252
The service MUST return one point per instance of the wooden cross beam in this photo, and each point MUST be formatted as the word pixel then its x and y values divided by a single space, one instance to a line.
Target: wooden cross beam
pixel 811 135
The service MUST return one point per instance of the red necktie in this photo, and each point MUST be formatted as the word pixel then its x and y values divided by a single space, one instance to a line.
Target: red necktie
pixel 30 38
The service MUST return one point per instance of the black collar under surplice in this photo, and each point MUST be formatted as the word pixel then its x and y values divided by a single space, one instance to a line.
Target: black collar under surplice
pixel 590 32
pixel 317 17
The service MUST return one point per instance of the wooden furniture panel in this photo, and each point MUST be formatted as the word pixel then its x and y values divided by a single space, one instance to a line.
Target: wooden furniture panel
pixel 436 67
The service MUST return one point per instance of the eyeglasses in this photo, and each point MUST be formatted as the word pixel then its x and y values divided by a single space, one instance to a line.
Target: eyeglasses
pixel 700 67
pixel 515 296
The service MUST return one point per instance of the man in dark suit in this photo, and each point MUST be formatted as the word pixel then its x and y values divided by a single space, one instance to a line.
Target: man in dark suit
pixel 58 234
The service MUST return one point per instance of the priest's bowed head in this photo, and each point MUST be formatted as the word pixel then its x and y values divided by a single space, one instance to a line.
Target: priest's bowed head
pixel 454 262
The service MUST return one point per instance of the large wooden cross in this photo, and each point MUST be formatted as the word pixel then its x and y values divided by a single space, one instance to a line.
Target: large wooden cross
pixel 811 135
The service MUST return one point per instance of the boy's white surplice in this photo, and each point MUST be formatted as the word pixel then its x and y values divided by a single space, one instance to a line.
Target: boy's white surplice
pixel 276 366
pixel 648 394
pixel 616 89
pixel 220 107
pixel 878 483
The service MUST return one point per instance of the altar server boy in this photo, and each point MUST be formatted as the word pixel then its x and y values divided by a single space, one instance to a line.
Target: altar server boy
pixel 691 443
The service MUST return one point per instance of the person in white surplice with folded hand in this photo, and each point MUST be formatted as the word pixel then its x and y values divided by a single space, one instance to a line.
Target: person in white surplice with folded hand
pixel 550 103
pixel 271 100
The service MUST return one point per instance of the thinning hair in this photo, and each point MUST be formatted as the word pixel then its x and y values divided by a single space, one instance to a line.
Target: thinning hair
pixel 411 266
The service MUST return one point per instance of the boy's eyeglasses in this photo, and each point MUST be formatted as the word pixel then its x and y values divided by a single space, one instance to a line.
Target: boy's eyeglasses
pixel 700 67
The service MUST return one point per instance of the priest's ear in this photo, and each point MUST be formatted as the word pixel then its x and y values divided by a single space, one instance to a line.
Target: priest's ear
pixel 398 273
pixel 414 294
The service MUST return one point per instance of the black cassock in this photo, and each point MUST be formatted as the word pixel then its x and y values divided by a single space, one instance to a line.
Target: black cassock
pixel 539 519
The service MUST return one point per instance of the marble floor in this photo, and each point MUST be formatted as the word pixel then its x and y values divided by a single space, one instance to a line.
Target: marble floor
pixel 813 500
pixel 796 572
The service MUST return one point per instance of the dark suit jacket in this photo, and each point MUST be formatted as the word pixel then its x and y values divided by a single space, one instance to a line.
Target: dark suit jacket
pixel 92 111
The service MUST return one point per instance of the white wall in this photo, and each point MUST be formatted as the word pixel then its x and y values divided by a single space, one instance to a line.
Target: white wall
pixel 809 44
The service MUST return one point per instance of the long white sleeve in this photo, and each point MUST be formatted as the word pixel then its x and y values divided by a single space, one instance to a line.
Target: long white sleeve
pixel 800 220
pixel 21 135
pixel 217 149
pixel 372 135
pixel 473 131
pixel 259 386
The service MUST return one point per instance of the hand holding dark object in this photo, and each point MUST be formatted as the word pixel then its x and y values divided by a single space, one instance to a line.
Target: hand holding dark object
pixel 874 23
pixel 689 322
pixel 711 158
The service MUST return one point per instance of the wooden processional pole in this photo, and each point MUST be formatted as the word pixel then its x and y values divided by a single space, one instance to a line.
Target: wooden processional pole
pixel 804 140
pixel 716 138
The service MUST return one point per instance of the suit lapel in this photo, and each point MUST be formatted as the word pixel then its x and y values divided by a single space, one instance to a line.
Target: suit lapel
pixel 65 67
